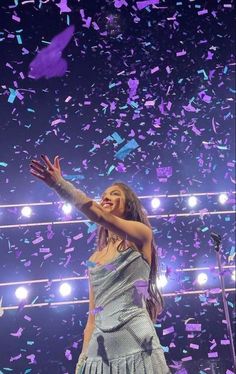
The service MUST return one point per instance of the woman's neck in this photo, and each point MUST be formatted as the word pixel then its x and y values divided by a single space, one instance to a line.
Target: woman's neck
pixel 113 237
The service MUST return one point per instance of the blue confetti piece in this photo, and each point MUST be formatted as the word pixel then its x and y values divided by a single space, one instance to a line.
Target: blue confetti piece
pixel 117 138
pixel 165 349
pixel 90 264
pixel 4 164
pixel 178 298
pixel 126 150
pixel 12 96
pixel 133 104
pixel 112 167
pixel 91 227
pixel 19 40
pixel 232 251
pixel 204 74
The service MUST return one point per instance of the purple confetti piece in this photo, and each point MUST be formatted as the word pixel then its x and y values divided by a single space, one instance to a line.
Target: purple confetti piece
pixel 119 3
pixel 48 62
pixel 110 267
pixel 189 358
pixel 96 310
pixel 194 346
pixel 153 70
pixel 169 330
pixel 193 327
pixel 225 342
pixel 15 358
pixel 63 7
pixel 31 358
pixel 68 354
pixel 141 286
pixel 133 86
pixel 164 172
pixel 212 354
pixel 181 53
pixel 189 108
pixel 143 4
pixel 18 333
pixel 121 168
pixel 37 240
pixel 201 12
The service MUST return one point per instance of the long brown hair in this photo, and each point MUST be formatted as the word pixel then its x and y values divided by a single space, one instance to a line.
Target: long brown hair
pixel 135 212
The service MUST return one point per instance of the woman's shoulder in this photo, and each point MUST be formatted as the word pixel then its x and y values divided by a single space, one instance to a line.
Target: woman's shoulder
pixel 93 256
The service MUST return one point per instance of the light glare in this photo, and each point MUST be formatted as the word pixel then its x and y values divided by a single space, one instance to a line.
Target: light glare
pixel 26 211
pixel 202 278
pixel 233 276
pixel 223 197
pixel 67 208
pixel 21 293
pixel 65 289
pixel 161 281
pixel 156 203
pixel 192 201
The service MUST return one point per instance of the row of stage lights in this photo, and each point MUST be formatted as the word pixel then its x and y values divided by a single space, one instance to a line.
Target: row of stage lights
pixel 192 201
pixel 65 289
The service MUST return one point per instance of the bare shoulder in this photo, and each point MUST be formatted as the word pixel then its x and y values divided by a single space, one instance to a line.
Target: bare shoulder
pixel 93 257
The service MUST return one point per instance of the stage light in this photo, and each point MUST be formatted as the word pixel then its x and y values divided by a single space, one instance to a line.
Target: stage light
pixel 192 201
pixel 65 289
pixel 67 208
pixel 202 278
pixel 223 197
pixel 233 276
pixel 161 281
pixel 155 203
pixel 26 211
pixel 21 293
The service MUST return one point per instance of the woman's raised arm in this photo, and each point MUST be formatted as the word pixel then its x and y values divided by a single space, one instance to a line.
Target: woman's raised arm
pixel 50 173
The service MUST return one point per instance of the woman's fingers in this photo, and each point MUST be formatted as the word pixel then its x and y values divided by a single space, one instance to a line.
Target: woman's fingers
pixel 47 161
pixel 37 175
pixel 37 166
pixel 57 162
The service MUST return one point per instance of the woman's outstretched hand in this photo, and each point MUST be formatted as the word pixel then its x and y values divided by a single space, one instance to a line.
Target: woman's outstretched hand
pixel 49 173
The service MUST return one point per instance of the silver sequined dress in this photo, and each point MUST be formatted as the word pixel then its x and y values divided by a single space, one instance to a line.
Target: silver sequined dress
pixel 124 340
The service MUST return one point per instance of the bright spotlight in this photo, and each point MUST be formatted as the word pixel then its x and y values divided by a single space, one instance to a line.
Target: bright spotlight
pixel 233 276
pixel 161 281
pixel 65 289
pixel 202 278
pixel 21 293
pixel 26 211
pixel 223 197
pixel 155 203
pixel 192 201
pixel 67 208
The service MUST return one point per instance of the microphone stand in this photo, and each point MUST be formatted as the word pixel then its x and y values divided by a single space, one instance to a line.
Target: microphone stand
pixel 217 244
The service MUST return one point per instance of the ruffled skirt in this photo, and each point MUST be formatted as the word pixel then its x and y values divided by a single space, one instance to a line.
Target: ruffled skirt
pixel 132 349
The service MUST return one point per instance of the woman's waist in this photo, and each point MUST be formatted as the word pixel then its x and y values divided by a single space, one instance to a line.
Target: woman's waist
pixel 135 335
pixel 110 319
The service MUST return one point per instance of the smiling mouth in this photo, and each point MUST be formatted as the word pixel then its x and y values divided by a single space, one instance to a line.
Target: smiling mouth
pixel 106 205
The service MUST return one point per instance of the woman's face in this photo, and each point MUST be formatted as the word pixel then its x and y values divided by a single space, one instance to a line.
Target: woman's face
pixel 113 201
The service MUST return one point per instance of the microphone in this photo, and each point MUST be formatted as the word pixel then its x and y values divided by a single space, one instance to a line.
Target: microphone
pixel 216 237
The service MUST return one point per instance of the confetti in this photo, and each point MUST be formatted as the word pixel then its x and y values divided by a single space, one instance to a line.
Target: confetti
pixel 48 62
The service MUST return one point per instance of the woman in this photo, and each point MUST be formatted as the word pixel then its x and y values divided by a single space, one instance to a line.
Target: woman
pixel 119 336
